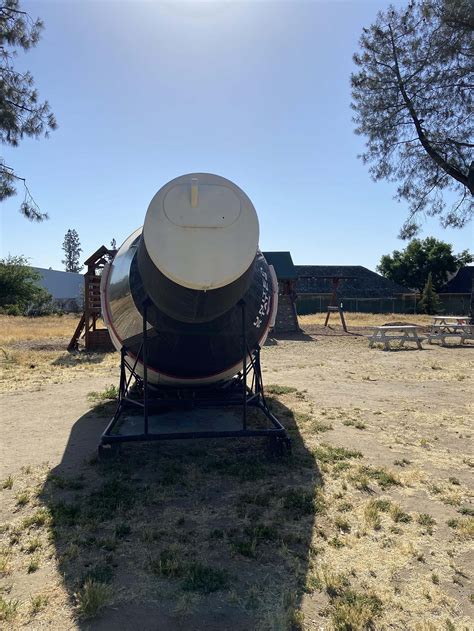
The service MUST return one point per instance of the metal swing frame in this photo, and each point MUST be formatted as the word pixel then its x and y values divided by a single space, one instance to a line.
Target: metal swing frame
pixel 245 391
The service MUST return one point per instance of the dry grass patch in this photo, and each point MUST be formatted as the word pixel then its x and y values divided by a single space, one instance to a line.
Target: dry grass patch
pixel 365 319
pixel 349 532
pixel 33 353
pixel 17 329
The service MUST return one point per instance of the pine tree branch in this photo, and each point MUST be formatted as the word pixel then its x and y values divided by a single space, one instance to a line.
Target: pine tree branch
pixel 434 155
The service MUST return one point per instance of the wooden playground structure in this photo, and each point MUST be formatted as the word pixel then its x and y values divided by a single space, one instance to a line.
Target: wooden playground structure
pixel 95 338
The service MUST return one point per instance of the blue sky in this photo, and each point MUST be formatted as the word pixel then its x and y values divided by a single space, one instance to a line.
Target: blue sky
pixel 257 92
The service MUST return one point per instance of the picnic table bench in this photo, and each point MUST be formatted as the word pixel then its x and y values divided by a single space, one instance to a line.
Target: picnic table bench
pixel 402 333
pixel 447 329
pixel 450 320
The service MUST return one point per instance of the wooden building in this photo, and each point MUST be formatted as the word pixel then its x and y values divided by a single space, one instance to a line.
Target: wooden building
pixel 457 295
pixel 359 289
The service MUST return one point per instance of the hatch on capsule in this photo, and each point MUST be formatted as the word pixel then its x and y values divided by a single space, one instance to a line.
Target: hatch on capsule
pixel 196 205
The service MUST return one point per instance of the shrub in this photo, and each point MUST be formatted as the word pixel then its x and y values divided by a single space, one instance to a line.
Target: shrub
pixel 20 292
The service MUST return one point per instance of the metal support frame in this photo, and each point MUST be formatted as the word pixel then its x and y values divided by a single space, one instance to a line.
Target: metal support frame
pixel 233 393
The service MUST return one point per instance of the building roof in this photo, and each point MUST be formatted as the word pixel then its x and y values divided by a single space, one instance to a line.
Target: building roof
pixel 460 283
pixel 61 285
pixel 356 281
pixel 98 254
pixel 283 265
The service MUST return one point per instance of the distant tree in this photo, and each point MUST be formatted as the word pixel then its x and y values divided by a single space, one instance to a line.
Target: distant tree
pixel 113 244
pixel 429 302
pixel 21 114
pixel 20 292
pixel 72 251
pixel 412 97
pixel 412 266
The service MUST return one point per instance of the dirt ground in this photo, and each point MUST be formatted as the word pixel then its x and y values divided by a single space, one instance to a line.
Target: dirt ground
pixel 367 525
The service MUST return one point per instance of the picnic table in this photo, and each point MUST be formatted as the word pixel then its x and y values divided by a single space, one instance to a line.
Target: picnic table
pixel 402 333
pixel 448 327
pixel 450 320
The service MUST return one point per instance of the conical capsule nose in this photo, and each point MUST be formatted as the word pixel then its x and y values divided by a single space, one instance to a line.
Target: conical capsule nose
pixel 201 231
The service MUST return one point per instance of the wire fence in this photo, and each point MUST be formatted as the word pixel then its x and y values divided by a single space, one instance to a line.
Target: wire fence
pixel 449 304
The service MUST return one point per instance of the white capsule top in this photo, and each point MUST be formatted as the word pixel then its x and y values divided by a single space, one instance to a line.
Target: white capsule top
pixel 201 231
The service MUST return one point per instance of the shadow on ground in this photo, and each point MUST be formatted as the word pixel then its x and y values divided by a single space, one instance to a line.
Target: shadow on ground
pixel 205 534
pixel 79 357
pixel 312 330
pixel 297 336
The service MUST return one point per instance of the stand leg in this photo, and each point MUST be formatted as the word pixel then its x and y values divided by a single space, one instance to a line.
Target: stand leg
pixel 145 369
pixel 123 381
pixel 257 372
pixel 244 369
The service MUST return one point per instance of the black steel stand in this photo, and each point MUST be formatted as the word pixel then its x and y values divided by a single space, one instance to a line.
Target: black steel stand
pixel 233 393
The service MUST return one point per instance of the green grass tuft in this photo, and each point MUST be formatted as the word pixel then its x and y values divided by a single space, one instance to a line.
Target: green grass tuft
pixel 382 504
pixel 342 524
pixel 65 514
pixel 353 611
pixel 112 496
pixel 33 545
pixel 245 542
pixel 275 389
pixel 62 482
pixel 33 564
pixel 168 564
pixel 371 515
pixel 38 603
pixel 427 521
pixel 7 482
pixel 205 580
pixel 319 426
pixel 385 479
pixel 299 503
pixel 22 498
pixel 354 423
pixel 8 608
pixel 399 516
pixel 41 517
pixel 92 597
pixel 100 573
pixel 329 454
pixel 110 393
